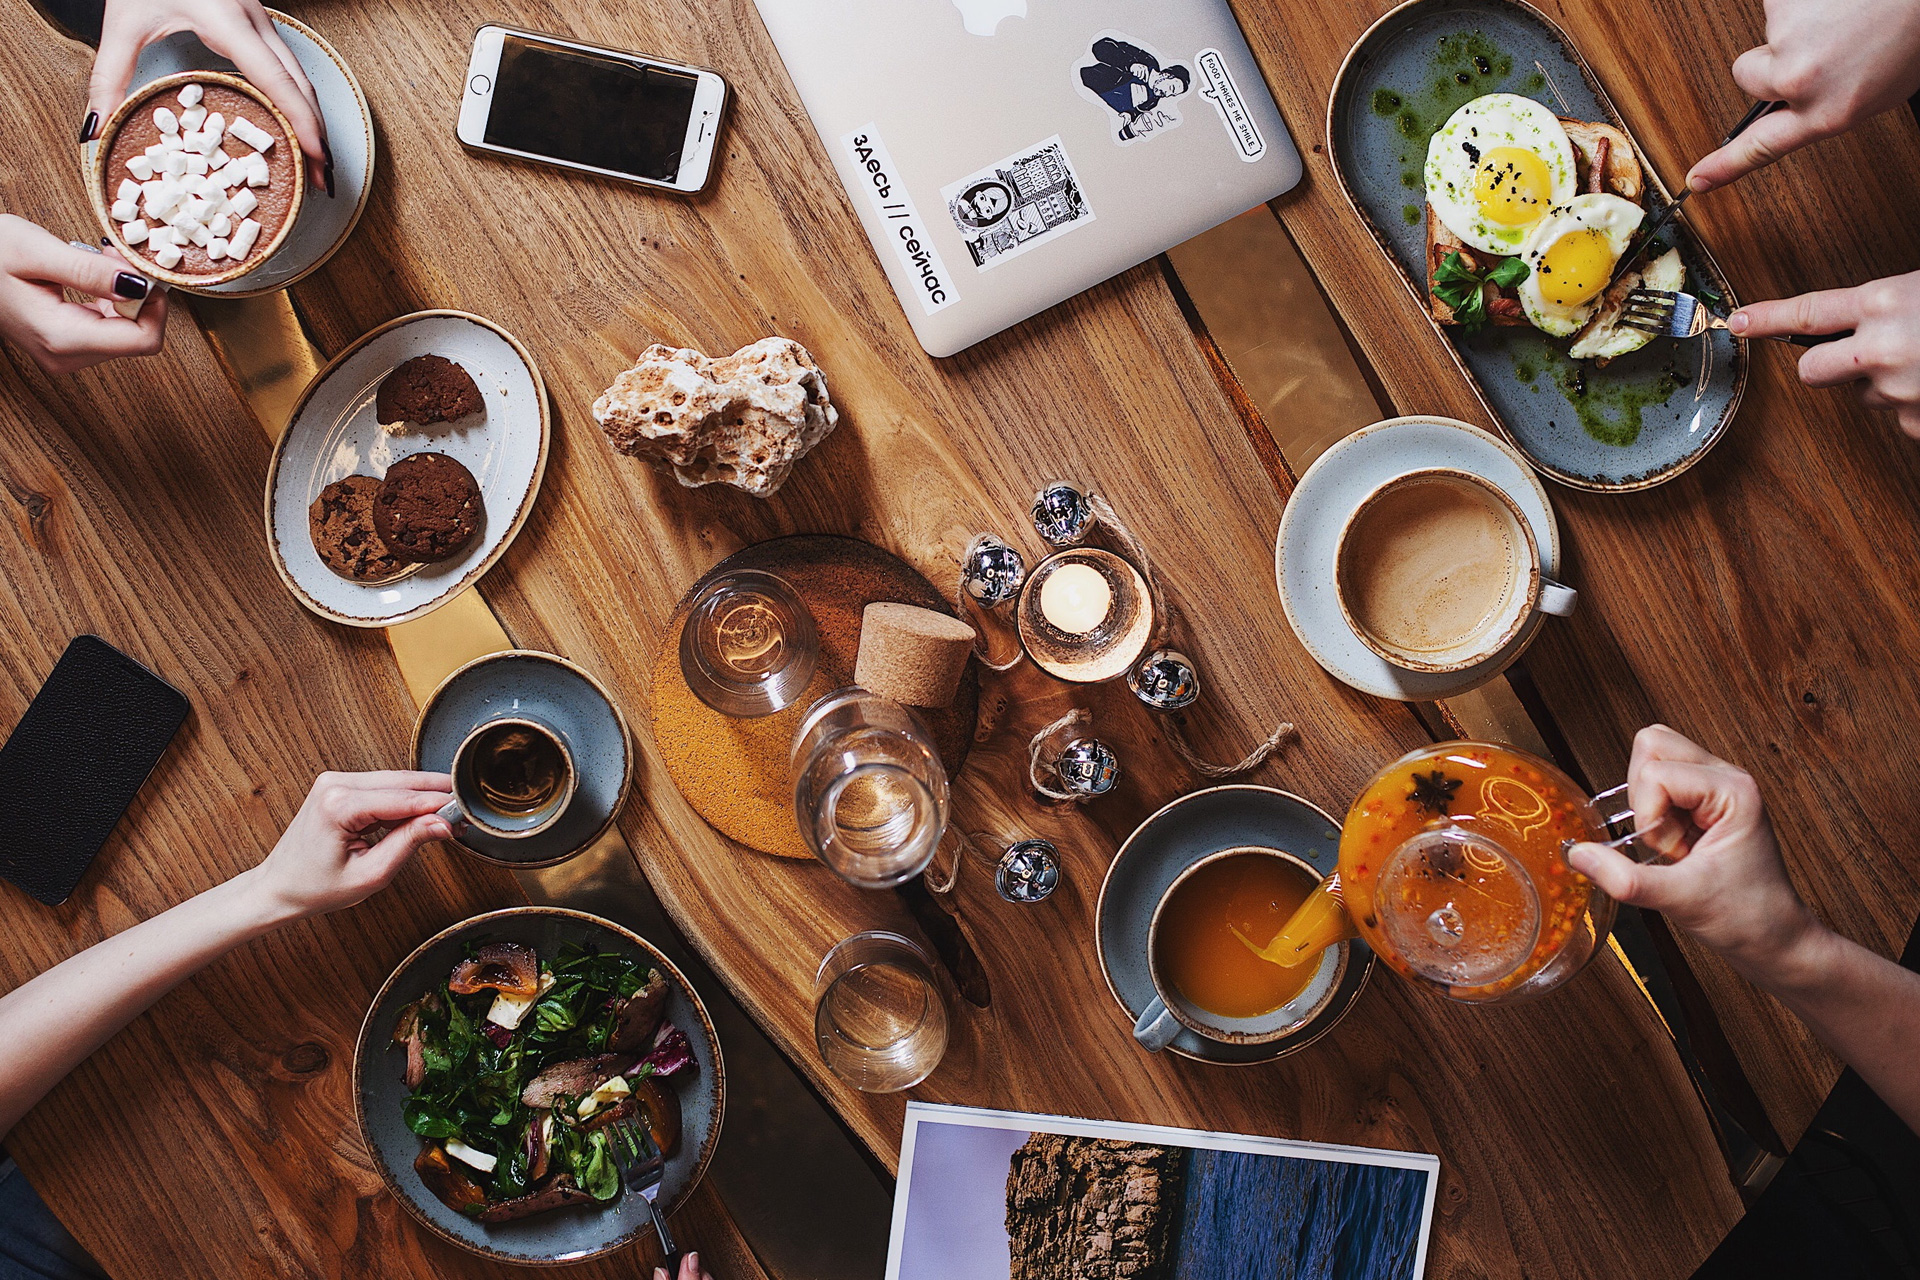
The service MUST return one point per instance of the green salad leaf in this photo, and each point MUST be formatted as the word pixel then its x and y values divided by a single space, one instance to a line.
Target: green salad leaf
pixel 597 1173
pixel 1458 285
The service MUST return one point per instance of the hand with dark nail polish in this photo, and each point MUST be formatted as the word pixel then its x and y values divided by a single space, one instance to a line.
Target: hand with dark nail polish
pixel 36 270
pixel 89 127
pixel 128 285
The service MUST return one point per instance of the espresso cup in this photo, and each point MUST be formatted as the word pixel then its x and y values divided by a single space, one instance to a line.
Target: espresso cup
pixel 1438 570
pixel 1170 1009
pixel 513 777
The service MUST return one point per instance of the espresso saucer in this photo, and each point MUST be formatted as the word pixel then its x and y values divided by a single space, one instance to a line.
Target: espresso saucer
pixel 324 222
pixel 562 695
pixel 1330 492
pixel 1195 825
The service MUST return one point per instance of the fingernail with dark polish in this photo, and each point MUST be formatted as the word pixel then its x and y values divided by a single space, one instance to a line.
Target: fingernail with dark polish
pixel 128 285
pixel 89 126
pixel 326 173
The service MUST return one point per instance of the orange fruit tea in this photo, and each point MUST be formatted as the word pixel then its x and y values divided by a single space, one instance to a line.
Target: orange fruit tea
pixel 1196 946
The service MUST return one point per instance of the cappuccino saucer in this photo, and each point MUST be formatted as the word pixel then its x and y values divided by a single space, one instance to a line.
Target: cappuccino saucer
pixel 1333 488
pixel 553 690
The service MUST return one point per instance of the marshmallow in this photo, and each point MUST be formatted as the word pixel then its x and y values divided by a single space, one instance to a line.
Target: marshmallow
pixel 242 202
pixel 190 95
pixel 232 176
pixel 197 165
pixel 192 117
pixel 256 172
pixel 199 208
pixel 140 167
pixel 251 134
pixel 176 164
pixel 172 142
pixel 243 239
pixel 127 190
pixel 124 211
pixel 176 237
pixel 167 256
pixel 217 248
pixel 215 124
pixel 165 121
pixel 134 232
pixel 158 151
pixel 217 160
pixel 221 225
pixel 204 142
pixel 200 235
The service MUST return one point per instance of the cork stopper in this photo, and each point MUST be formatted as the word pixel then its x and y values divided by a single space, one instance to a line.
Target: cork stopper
pixel 912 655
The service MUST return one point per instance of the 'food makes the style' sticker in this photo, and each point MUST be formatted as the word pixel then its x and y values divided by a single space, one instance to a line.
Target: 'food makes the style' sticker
pixel 905 232
pixel 1217 87
pixel 1025 200
pixel 1134 84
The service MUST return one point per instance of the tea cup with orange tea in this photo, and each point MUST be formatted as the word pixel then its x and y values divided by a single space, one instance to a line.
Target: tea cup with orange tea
pixel 513 777
pixel 1453 868
pixel 1206 979
pixel 1438 570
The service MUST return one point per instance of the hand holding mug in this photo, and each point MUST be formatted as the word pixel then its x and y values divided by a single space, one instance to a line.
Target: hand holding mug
pixel 351 836
pixel 1726 883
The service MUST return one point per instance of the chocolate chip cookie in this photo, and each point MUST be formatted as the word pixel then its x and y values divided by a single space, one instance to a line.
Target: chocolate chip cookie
pixel 426 390
pixel 428 508
pixel 341 524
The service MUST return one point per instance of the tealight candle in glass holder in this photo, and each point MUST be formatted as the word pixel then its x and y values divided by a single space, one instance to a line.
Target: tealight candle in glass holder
pixel 1085 615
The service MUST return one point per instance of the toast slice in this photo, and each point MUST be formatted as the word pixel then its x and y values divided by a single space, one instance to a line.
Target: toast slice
pixel 1593 144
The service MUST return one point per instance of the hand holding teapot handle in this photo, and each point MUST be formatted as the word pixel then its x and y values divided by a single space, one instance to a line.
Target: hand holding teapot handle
pixel 1724 880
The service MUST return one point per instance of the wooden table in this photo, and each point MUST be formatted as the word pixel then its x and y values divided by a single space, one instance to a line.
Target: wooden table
pixel 1764 602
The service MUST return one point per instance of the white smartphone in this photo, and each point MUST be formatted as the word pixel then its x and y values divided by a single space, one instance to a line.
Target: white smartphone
pixel 620 115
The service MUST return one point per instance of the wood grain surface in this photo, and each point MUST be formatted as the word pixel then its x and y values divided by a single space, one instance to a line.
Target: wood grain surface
pixel 1570 1140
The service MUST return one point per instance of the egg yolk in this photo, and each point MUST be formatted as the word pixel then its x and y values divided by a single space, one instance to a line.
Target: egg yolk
pixel 1575 267
pixel 1512 186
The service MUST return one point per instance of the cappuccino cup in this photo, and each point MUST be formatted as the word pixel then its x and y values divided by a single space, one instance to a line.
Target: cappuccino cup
pixel 513 777
pixel 1437 570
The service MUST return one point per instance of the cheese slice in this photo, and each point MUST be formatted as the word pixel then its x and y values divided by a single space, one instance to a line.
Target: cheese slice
pixel 606 1095
pixel 508 1010
pixel 467 1155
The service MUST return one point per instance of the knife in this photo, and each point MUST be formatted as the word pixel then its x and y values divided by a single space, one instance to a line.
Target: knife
pixel 1639 247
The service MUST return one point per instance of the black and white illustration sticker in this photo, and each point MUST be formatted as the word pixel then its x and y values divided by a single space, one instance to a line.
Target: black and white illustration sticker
pixel 1217 87
pixel 904 229
pixel 1134 84
pixel 1029 198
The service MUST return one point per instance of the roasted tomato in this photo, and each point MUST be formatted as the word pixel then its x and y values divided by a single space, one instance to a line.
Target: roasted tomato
pixel 503 966
pixel 453 1188
pixel 660 1106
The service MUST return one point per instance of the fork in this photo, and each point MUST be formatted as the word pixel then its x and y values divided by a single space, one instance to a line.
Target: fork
pixel 1681 315
pixel 642 1167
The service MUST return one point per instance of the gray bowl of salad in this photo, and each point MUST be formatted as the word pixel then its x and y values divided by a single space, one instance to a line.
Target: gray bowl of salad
pixel 497 1058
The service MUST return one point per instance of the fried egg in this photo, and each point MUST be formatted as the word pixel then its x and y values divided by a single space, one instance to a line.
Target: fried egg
pixel 1570 253
pixel 1496 168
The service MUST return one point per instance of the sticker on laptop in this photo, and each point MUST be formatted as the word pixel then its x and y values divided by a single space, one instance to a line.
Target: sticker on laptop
pixel 905 231
pixel 1133 84
pixel 1029 198
pixel 1217 87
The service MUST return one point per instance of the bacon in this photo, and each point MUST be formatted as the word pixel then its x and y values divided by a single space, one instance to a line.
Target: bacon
pixel 1597 171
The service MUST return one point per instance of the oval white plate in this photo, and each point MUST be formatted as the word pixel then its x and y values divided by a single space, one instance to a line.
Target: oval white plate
pixel 324 223
pixel 333 433
pixel 1330 492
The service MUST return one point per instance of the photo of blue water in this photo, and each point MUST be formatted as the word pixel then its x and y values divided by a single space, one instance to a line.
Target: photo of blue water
pixel 1255 1217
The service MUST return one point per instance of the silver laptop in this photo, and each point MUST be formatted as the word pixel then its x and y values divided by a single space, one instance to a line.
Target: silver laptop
pixel 1006 154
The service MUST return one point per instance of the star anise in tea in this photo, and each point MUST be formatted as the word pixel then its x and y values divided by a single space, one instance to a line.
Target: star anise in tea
pixel 1434 791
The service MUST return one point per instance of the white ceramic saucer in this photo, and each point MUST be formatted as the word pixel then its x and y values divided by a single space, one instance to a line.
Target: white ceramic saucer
pixel 333 432
pixel 324 223
pixel 1329 493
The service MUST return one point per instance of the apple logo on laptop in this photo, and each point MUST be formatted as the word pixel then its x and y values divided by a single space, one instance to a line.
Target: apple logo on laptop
pixel 982 17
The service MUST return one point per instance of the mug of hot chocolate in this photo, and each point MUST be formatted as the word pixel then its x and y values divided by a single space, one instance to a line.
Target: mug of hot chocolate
pixel 198 178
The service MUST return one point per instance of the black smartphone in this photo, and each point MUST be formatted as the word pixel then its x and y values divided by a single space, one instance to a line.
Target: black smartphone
pixel 76 760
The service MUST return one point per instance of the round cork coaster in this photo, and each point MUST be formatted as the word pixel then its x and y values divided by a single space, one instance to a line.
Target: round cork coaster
pixel 735 773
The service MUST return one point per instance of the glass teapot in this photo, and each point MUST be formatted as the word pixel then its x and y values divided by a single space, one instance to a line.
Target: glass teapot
pixel 1453 868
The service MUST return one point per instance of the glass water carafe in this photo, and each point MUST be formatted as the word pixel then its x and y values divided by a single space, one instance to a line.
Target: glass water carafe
pixel 869 791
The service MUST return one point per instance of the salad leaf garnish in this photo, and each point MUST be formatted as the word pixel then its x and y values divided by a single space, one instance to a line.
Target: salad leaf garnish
pixel 1458 285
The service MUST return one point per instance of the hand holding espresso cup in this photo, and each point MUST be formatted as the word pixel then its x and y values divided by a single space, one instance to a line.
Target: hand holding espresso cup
pixel 350 837
pixel 513 777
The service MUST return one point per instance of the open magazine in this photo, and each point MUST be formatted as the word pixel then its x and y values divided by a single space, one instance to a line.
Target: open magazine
pixel 997 1195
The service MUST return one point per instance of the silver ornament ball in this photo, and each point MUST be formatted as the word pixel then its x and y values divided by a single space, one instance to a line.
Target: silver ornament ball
pixel 1088 767
pixel 1028 871
pixel 992 572
pixel 1062 515
pixel 1165 680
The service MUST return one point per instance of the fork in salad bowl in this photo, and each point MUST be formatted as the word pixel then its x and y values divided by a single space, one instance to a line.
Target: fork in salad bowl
pixel 1681 315
pixel 642 1167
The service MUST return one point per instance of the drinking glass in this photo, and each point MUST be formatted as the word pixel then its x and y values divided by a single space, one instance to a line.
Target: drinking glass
pixel 869 791
pixel 749 646
pixel 879 1018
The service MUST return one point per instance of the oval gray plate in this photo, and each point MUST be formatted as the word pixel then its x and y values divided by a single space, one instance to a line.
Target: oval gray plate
pixel 1637 422
pixel 563 695
pixel 1172 840
pixel 565 1235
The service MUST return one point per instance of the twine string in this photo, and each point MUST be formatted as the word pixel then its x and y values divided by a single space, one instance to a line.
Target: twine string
pixel 1074 719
